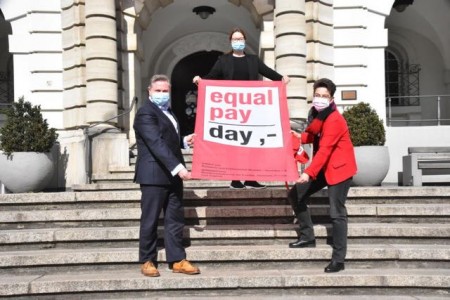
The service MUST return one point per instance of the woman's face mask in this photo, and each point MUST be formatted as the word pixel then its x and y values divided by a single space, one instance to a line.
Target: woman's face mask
pixel 160 98
pixel 320 103
pixel 238 45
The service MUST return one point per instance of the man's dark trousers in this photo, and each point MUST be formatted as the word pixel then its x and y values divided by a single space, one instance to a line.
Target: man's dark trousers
pixel 168 198
pixel 337 195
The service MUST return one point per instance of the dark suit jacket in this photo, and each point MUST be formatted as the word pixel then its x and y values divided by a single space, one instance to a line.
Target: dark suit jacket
pixel 159 146
pixel 223 68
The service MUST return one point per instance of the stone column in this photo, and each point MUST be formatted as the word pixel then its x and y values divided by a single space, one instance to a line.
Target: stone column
pixel 290 52
pixel 267 44
pixel 101 61
pixel 132 57
pixel 319 38
pixel 74 63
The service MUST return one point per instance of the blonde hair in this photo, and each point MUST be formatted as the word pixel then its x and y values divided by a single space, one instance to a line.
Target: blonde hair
pixel 158 77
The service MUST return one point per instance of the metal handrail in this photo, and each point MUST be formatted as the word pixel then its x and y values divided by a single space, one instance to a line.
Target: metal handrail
pixel 422 98
pixel 418 96
pixel 135 99
pixel 88 154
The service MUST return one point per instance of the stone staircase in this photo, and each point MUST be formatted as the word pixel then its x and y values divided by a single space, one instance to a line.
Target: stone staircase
pixel 83 245
pixel 121 178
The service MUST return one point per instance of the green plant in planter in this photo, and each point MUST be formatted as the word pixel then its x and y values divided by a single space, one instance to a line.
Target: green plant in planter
pixel 25 130
pixel 366 128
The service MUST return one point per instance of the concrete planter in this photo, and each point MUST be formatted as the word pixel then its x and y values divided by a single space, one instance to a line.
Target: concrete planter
pixel 26 171
pixel 373 165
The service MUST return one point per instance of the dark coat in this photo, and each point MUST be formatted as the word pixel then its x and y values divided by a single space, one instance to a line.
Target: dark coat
pixel 159 146
pixel 223 68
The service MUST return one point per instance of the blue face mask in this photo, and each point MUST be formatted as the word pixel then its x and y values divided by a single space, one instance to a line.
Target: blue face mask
pixel 238 45
pixel 161 99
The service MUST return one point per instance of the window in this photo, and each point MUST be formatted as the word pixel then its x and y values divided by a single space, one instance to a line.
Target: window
pixel 402 80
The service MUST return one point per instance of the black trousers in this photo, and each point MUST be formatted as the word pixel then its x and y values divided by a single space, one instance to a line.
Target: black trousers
pixel 337 195
pixel 168 198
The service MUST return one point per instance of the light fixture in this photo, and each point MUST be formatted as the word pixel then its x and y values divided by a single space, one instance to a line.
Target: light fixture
pixel 401 5
pixel 204 11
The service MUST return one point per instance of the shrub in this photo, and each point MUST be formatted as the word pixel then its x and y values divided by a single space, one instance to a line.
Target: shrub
pixel 25 130
pixel 366 128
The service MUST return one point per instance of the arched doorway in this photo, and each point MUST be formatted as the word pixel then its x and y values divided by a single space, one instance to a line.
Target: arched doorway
pixel 198 63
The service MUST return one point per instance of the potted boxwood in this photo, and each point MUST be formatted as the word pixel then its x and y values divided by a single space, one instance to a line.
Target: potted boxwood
pixel 26 140
pixel 368 136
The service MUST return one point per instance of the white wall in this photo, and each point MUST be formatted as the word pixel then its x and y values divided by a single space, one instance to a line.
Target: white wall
pixel 36 45
pixel 359 41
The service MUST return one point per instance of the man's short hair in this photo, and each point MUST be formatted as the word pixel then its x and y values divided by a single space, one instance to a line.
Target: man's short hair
pixel 158 77
pixel 326 83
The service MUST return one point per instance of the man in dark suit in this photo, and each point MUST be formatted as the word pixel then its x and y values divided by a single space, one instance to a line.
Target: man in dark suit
pixel 160 172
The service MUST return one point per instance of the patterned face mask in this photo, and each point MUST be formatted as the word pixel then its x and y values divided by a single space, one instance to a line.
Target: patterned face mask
pixel 320 103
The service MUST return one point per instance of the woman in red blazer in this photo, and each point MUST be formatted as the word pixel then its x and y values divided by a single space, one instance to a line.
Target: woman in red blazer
pixel 333 165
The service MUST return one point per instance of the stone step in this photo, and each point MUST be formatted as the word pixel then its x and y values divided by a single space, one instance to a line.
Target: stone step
pixel 226 280
pixel 123 181
pixel 82 252
pixel 187 155
pixel 227 254
pixel 129 176
pixel 293 294
pixel 206 213
pixel 130 169
pixel 369 195
pixel 225 233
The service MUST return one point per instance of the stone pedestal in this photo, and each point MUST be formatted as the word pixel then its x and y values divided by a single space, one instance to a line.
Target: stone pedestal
pixel 110 148
pixel 70 159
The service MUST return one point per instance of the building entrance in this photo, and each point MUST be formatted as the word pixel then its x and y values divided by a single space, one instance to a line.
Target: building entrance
pixel 184 92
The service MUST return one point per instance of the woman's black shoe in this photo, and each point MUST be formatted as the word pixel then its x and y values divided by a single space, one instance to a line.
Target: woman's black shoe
pixel 334 267
pixel 236 184
pixel 301 243
pixel 253 185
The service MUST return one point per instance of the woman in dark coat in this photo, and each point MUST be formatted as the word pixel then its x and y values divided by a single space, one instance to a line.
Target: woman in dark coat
pixel 238 65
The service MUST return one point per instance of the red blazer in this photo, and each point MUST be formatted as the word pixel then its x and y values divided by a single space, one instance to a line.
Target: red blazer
pixel 335 154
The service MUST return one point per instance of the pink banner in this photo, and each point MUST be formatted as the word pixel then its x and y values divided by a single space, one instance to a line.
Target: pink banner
pixel 242 132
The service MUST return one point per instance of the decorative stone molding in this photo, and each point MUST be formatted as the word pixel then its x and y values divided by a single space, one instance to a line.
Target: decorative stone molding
pixel 290 52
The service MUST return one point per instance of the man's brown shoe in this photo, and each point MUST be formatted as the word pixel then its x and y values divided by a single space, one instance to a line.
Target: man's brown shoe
pixel 149 269
pixel 185 267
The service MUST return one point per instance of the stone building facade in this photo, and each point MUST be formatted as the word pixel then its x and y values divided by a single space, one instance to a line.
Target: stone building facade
pixel 84 61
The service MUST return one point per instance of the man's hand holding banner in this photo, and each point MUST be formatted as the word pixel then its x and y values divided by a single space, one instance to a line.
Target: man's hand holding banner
pixel 242 132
